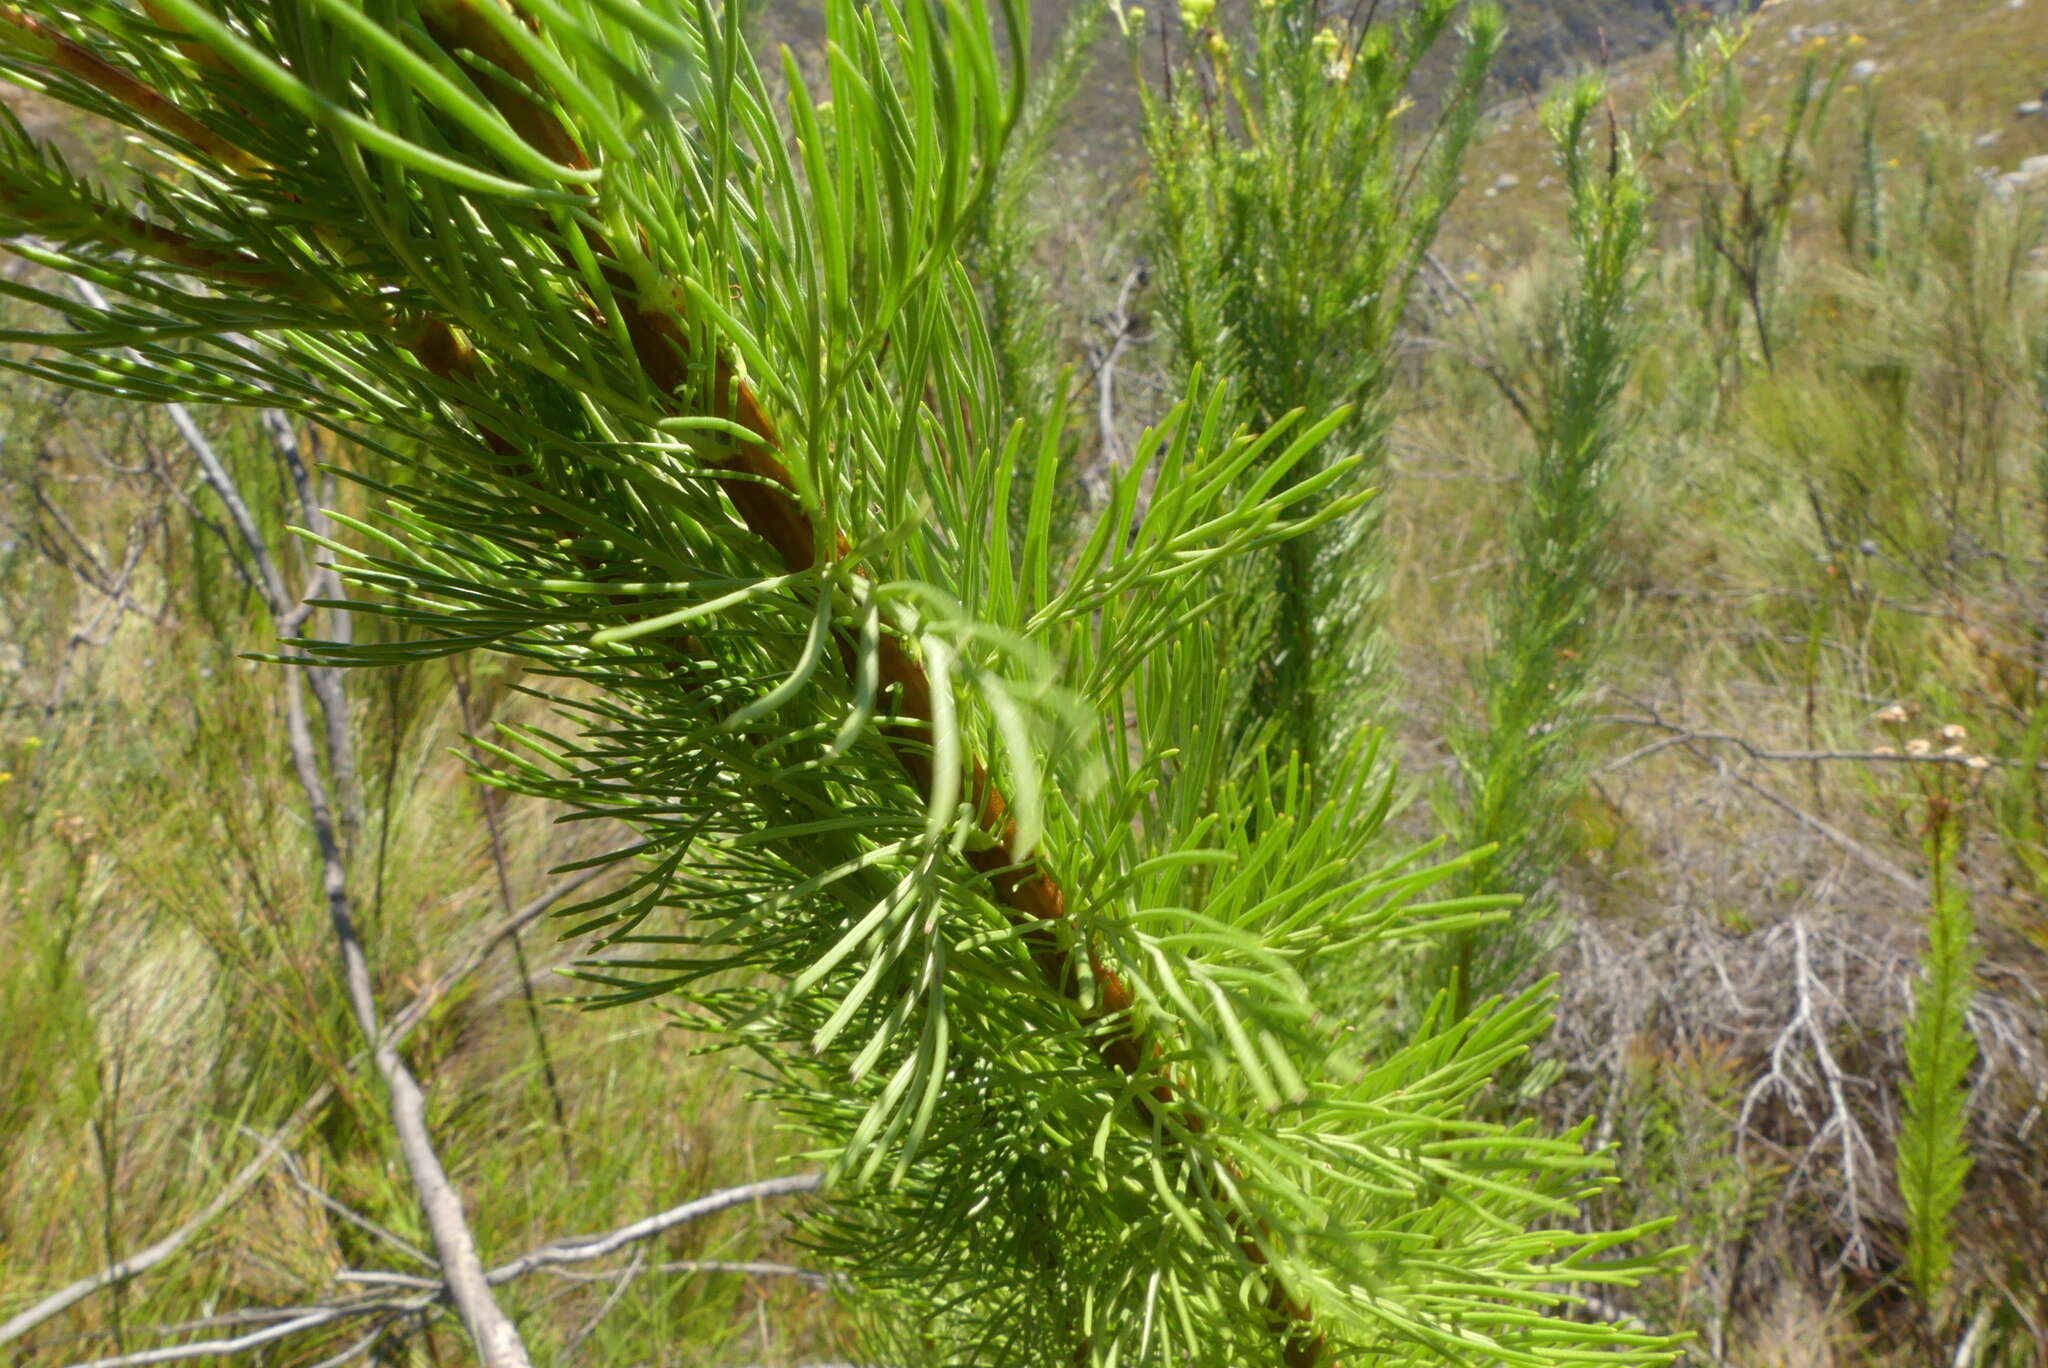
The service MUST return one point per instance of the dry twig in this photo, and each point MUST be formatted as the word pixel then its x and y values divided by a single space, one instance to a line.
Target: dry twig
pixel 288 1321
pixel 1791 1078
pixel 1123 334
pixel 496 1338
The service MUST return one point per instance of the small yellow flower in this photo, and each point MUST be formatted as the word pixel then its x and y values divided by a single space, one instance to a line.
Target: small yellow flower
pixel 1196 14
pixel 6 776
pixel 1329 45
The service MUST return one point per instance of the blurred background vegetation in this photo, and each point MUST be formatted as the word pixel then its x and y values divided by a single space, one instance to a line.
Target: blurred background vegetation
pixel 1811 730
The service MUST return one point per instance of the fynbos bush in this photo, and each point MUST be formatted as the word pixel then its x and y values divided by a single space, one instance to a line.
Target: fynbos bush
pixel 693 407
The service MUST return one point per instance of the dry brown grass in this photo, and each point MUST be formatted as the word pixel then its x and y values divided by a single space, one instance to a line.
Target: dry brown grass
pixel 1742 935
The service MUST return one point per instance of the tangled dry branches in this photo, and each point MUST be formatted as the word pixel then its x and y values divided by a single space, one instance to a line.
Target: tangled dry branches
pixel 1788 1042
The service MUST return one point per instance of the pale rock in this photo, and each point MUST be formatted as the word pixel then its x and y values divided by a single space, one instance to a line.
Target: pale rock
pixel 2030 173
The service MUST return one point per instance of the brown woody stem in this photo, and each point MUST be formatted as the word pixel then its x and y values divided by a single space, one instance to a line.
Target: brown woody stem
pixel 767 501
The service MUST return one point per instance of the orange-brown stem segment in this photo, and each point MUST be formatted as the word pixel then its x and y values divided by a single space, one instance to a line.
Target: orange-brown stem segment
pixel 46 46
pixel 767 501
